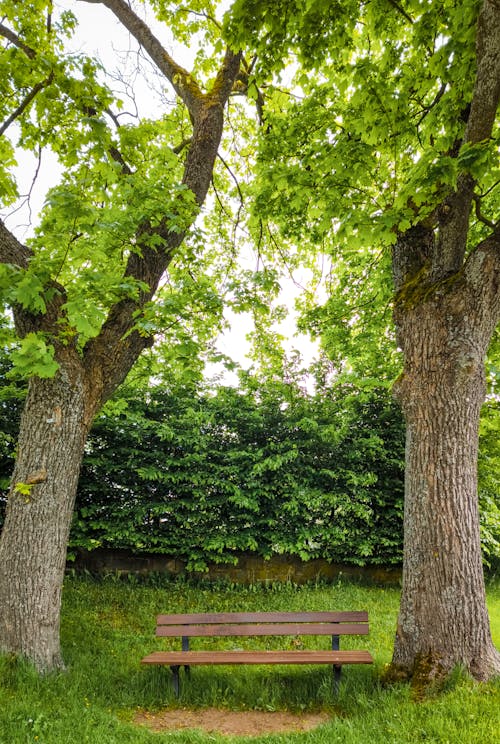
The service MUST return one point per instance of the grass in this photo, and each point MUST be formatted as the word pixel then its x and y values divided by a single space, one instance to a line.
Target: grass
pixel 108 625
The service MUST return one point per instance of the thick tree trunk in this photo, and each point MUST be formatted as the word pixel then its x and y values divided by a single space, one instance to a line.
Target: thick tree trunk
pixel 40 505
pixel 447 306
pixel 443 618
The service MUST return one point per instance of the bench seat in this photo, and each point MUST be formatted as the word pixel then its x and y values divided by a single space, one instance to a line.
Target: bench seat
pixel 196 658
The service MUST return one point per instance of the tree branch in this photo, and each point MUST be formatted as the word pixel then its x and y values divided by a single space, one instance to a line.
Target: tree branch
pixel 401 10
pixel 207 129
pixel 480 216
pixel 209 17
pixel 181 146
pixel 14 38
pixel 118 158
pixel 486 94
pixel 26 102
pixel 481 271
pixel 25 198
pixel 11 250
pixel 236 222
pixel 428 109
pixel 454 213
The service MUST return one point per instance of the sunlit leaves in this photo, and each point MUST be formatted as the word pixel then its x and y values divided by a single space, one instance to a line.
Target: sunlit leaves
pixel 8 186
pixel 480 160
pixel 90 220
pixel 44 92
pixel 34 357
pixel 313 29
pixel 366 145
pixel 196 24
pixel 380 126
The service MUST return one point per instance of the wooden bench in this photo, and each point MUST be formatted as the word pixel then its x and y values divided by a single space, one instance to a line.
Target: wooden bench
pixel 224 624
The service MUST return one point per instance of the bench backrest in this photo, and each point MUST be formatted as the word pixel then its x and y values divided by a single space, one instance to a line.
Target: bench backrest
pixel 263 623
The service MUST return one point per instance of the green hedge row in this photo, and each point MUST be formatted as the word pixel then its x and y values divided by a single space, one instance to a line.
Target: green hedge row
pixel 205 475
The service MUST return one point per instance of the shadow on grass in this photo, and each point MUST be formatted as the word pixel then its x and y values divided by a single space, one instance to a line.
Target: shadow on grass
pixel 253 688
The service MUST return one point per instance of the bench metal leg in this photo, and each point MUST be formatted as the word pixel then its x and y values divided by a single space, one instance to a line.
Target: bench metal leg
pixel 176 682
pixel 175 669
pixel 337 671
pixel 185 647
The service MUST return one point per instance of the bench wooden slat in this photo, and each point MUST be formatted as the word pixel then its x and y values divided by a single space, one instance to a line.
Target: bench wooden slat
pixel 214 618
pixel 264 629
pixel 192 658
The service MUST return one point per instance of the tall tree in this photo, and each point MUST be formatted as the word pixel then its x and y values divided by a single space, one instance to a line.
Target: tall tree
pixel 81 292
pixel 447 306
pixel 396 144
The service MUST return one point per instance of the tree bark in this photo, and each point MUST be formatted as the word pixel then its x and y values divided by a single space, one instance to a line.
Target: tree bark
pixel 444 330
pixel 39 509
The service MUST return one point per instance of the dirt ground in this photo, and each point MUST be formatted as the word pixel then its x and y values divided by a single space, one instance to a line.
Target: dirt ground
pixel 235 723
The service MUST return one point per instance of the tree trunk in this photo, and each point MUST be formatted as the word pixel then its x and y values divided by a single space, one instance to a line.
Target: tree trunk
pixel 58 412
pixel 444 331
pixel 447 306
pixel 33 543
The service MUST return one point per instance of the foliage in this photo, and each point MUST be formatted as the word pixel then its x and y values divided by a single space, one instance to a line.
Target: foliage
pixel 267 469
pixel 360 144
pixel 108 626
pixel 357 147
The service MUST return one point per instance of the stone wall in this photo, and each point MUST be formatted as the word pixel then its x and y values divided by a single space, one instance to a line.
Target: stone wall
pixel 250 569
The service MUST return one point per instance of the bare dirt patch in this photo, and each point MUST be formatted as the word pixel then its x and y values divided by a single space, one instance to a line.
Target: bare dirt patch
pixel 226 722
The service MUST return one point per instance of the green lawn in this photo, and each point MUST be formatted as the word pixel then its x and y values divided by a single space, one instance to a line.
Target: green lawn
pixel 109 625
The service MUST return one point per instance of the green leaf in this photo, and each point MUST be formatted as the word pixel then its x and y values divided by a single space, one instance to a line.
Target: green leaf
pixel 28 293
pixel 34 358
